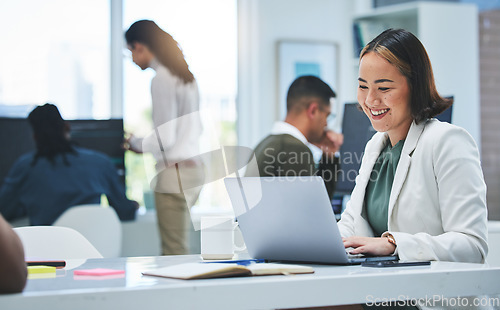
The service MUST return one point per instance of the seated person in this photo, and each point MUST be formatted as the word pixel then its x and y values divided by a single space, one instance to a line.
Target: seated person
pixel 420 192
pixel 58 175
pixel 287 151
pixel 13 272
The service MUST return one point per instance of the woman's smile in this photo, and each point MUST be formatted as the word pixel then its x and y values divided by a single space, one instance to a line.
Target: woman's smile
pixel 378 114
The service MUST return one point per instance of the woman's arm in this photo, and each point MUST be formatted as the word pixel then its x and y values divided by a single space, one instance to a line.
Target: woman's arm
pixel 115 193
pixel 13 272
pixel 461 200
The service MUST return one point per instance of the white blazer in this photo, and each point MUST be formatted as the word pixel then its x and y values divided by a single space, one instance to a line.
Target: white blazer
pixel 437 207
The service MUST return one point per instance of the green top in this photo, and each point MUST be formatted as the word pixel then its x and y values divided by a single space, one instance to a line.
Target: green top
pixel 378 190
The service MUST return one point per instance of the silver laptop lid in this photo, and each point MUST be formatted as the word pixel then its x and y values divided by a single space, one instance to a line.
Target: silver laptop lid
pixel 287 218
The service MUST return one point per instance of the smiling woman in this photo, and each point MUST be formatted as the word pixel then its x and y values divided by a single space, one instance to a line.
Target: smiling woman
pixel 384 95
pixel 397 83
pixel 435 208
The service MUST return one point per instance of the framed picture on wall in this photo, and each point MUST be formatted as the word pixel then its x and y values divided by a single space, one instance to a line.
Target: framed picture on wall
pixel 297 58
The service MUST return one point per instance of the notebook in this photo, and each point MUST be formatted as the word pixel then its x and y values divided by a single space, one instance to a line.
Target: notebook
pixel 192 271
pixel 289 219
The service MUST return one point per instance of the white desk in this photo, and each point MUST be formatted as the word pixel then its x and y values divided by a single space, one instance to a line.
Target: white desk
pixel 330 285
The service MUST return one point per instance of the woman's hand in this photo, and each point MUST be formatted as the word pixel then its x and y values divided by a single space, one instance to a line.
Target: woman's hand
pixel 369 245
pixel 128 145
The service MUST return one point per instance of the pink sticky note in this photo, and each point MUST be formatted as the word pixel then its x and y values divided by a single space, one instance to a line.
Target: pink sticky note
pixel 98 272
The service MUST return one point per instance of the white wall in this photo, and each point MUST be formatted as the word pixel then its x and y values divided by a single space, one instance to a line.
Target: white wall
pixel 450 33
pixel 261 24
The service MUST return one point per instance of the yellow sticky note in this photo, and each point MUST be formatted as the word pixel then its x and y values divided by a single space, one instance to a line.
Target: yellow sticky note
pixel 33 276
pixel 41 269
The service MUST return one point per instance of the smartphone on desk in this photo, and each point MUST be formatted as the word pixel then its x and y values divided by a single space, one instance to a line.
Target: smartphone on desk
pixel 394 263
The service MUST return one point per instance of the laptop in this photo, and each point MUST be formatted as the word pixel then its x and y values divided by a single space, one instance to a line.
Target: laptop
pixel 289 219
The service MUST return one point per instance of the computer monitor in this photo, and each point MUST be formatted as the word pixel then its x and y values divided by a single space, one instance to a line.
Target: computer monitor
pixel 105 136
pixel 357 130
pixel 445 116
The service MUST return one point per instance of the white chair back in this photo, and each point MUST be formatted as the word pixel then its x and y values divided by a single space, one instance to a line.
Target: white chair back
pixel 50 242
pixel 100 225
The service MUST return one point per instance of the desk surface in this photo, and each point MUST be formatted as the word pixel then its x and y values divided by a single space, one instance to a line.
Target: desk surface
pixel 330 285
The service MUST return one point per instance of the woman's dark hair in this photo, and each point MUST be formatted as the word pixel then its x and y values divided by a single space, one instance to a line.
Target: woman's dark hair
pixel 403 50
pixel 162 45
pixel 49 129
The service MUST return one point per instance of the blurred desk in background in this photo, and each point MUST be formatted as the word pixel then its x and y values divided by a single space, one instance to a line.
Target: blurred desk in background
pixel 141 237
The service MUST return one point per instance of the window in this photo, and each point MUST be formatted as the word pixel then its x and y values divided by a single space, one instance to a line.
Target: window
pixel 206 32
pixel 58 51
pixel 55 51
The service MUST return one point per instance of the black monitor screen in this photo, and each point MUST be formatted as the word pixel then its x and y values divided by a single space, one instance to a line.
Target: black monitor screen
pixel 445 116
pixel 105 136
pixel 357 130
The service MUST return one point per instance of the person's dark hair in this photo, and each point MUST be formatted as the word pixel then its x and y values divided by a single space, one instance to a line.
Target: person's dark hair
pixel 305 88
pixel 49 129
pixel 403 50
pixel 162 45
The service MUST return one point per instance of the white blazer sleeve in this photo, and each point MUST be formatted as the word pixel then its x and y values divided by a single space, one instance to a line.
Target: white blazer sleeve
pixel 461 201
pixel 346 224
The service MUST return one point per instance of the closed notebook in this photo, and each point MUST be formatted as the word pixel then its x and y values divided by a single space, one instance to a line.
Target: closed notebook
pixel 190 271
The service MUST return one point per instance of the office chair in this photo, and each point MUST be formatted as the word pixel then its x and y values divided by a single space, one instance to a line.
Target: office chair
pixel 100 225
pixel 50 242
